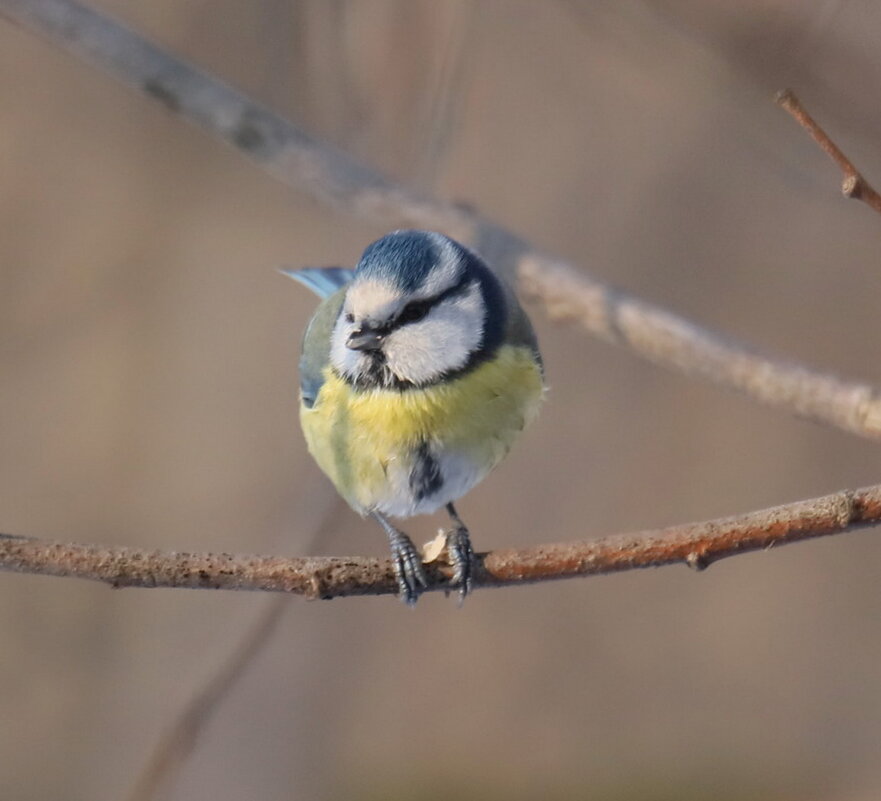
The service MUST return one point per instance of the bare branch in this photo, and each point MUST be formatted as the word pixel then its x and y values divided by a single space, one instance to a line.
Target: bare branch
pixel 329 175
pixel 674 342
pixel 853 184
pixel 697 545
pixel 335 179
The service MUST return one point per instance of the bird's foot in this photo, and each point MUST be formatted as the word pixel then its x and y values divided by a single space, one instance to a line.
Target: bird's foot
pixel 461 557
pixel 460 554
pixel 407 561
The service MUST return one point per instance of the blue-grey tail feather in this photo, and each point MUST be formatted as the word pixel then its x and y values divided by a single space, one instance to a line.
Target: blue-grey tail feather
pixel 323 281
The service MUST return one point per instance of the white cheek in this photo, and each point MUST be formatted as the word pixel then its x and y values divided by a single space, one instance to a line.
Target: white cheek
pixel 441 343
pixel 425 351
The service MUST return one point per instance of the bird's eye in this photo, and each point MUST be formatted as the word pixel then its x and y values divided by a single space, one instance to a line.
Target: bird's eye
pixel 413 312
pixel 350 318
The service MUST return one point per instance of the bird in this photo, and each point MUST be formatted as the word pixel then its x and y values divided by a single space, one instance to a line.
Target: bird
pixel 418 371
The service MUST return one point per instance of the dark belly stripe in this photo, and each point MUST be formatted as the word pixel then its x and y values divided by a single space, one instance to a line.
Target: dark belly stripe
pixel 425 476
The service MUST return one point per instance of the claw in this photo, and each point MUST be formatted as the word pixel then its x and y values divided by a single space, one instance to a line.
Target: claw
pixel 460 553
pixel 407 562
pixel 461 556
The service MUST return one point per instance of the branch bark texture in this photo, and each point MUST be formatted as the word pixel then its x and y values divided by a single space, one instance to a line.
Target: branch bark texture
pixel 696 545
pixel 335 179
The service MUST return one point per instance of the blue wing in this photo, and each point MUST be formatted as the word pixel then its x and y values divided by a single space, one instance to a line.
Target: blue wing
pixel 323 281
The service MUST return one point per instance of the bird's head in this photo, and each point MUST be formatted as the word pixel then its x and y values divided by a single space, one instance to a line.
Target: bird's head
pixel 420 308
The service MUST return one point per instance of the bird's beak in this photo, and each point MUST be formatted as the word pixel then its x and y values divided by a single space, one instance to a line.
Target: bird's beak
pixel 366 339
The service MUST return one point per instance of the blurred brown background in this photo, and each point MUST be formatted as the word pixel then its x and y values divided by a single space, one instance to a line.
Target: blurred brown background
pixel 148 398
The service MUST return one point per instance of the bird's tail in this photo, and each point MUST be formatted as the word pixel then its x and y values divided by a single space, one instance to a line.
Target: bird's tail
pixel 323 281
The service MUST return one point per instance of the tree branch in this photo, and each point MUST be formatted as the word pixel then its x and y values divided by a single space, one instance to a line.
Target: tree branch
pixel 673 342
pixel 287 153
pixel 335 179
pixel 697 545
pixel 853 184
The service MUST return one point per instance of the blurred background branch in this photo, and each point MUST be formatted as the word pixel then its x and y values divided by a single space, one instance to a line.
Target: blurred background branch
pixel 178 742
pixel 334 178
pixel 697 545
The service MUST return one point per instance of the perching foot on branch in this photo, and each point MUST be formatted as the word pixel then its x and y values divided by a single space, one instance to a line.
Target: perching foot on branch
pixel 407 562
pixel 460 554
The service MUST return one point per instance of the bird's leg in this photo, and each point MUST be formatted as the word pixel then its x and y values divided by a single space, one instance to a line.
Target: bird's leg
pixel 407 562
pixel 460 553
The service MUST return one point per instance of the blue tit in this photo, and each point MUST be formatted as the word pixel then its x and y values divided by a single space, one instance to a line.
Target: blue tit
pixel 418 371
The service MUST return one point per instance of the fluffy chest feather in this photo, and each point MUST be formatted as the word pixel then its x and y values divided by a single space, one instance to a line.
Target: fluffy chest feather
pixel 410 452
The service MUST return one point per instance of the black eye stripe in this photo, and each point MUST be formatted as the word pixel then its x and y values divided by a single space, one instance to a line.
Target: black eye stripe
pixel 413 312
pixel 425 305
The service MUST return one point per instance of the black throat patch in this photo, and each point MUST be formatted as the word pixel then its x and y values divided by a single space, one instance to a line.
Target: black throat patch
pixel 376 375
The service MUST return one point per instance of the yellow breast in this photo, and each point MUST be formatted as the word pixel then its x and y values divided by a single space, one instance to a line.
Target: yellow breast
pixel 365 440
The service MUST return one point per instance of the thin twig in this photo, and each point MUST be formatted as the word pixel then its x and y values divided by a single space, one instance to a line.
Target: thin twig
pixel 337 180
pixel 853 184
pixel 177 744
pixel 446 97
pixel 697 545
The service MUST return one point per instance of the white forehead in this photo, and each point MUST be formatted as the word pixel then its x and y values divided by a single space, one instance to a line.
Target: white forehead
pixel 372 298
